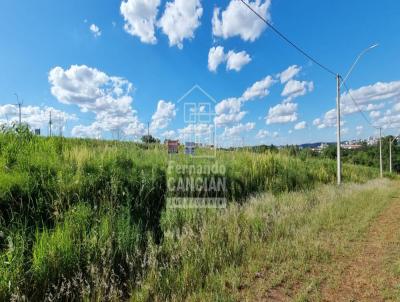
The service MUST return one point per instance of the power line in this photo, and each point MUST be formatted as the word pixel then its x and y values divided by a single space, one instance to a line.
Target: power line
pixel 380 133
pixel 288 41
pixel 328 70
pixel 363 113
pixel 358 107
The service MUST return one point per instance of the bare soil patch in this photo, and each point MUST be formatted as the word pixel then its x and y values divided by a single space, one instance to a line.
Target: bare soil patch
pixel 366 277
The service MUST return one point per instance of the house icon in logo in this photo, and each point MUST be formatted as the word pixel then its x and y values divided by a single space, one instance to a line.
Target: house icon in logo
pixel 199 120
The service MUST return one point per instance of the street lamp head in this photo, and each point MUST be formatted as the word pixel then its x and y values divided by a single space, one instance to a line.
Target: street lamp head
pixel 373 46
pixel 356 61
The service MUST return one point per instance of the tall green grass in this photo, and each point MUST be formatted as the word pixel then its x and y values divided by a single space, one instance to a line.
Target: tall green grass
pixel 217 254
pixel 86 219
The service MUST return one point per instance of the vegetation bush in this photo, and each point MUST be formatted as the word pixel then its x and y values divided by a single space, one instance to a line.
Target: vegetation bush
pixel 86 219
pixel 203 260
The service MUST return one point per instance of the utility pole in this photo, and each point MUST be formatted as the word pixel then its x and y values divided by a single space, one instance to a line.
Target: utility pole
pixel 19 104
pixel 380 152
pixel 61 127
pixel 50 124
pixel 338 139
pixel 19 111
pixel 213 139
pixel 338 78
pixel 148 129
pixel 390 155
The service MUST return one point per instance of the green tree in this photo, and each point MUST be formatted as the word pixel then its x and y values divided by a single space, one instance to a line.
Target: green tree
pixel 149 139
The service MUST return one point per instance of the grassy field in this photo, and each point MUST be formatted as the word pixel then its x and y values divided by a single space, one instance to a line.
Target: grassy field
pixel 287 245
pixel 84 219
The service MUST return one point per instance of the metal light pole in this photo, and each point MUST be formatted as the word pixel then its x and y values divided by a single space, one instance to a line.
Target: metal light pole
pixel 358 59
pixel 19 108
pixel 390 154
pixel 339 83
pixel 338 78
pixel 50 124
pixel 338 139
pixel 380 152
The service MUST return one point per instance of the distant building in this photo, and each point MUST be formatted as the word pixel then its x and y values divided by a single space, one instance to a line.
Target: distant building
pixel 173 146
pixel 320 148
pixel 323 146
pixel 372 141
pixel 190 148
pixel 351 146
pixel 166 141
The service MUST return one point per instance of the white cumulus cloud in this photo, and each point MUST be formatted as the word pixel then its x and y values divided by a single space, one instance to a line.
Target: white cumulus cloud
pixel 229 111
pixel 238 20
pixel 37 117
pixel 261 134
pixel 202 132
pixel 329 120
pixel 95 30
pixel 238 130
pixel 282 113
pixel 170 134
pixel 294 89
pixel 367 98
pixel 300 126
pixel 108 97
pixel 92 131
pixel 396 107
pixel 234 60
pixel 140 18
pixel 376 92
pixel 216 56
pixel 375 114
pixel 371 107
pixel 164 114
pixel 180 20
pixel 259 89
pixel 289 73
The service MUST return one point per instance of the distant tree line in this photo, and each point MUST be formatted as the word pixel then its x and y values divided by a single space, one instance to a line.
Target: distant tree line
pixel 368 155
pixel 149 139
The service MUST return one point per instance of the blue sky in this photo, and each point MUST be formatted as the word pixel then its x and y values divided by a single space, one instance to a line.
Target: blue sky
pixel 101 71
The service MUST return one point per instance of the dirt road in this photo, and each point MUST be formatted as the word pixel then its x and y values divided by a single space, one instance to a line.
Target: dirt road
pixel 367 276
pixel 368 270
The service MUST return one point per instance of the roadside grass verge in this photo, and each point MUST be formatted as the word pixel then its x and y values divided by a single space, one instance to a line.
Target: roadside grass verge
pixel 392 267
pixel 281 243
pixel 86 219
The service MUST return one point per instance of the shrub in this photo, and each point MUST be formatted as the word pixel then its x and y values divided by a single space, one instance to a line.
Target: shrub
pixel 90 215
pixel 59 252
